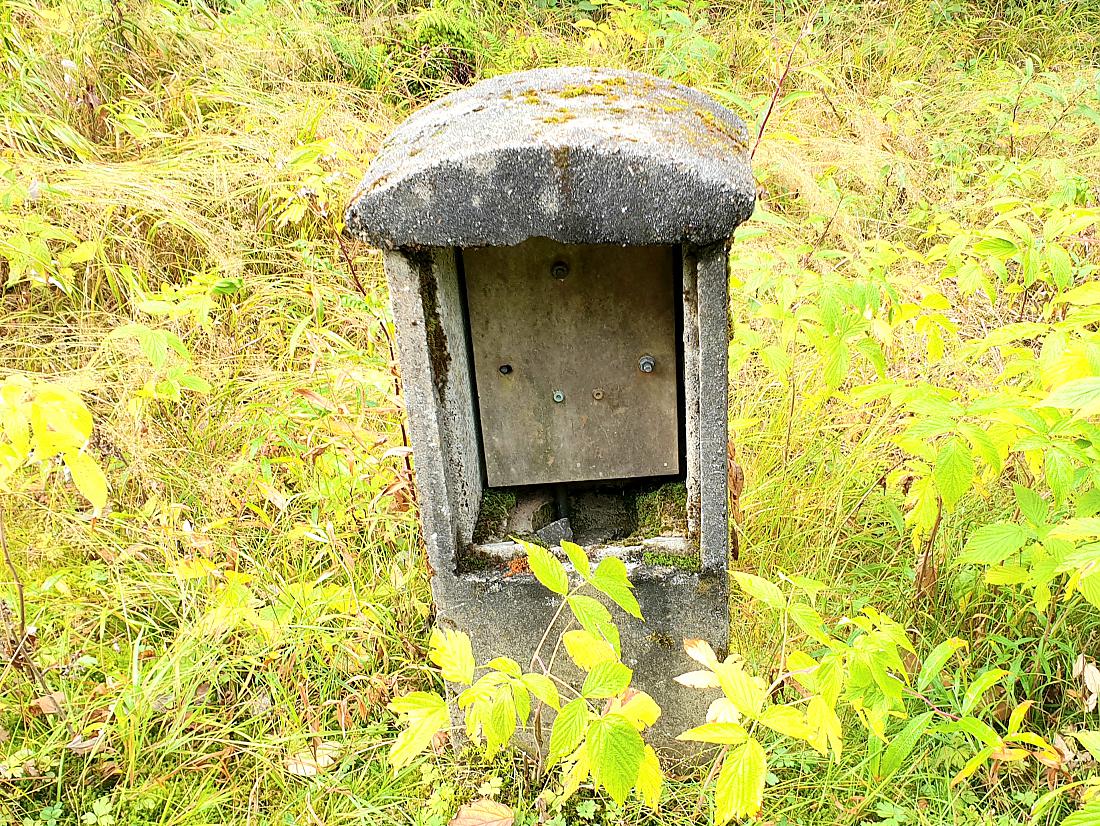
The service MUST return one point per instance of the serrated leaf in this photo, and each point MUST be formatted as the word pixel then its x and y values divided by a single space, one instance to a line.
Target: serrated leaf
pixel 505 665
pixel 740 788
pixel 594 618
pixel 650 779
pixel 786 720
pixel 577 557
pixel 759 588
pixel 809 620
pixel 606 679
pixel 615 751
pixel 992 544
pixel 936 660
pixel 568 729
pixel 1080 395
pixel 611 579
pixel 744 690
pixel 424 715
pixel 547 568
pixel 452 652
pixel 953 471
pixel 903 743
pixel 543 687
pixel 587 650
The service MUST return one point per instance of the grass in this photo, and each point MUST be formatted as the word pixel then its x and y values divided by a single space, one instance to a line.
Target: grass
pixel 258 587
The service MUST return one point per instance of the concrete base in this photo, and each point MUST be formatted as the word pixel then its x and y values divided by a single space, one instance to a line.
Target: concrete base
pixel 506 616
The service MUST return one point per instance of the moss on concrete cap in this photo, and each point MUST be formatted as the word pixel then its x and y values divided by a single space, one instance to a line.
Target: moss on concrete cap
pixel 578 155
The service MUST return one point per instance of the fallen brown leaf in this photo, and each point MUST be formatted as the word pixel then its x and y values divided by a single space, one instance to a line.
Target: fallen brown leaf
pixel 47 704
pixel 484 812
pixel 313 761
pixel 927 576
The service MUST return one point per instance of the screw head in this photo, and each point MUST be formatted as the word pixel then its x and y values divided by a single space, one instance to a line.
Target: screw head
pixel 559 396
pixel 646 364
pixel 559 269
pixel 505 369
pixel 597 394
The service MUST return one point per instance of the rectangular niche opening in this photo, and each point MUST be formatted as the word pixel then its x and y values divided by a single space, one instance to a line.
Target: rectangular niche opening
pixel 641 520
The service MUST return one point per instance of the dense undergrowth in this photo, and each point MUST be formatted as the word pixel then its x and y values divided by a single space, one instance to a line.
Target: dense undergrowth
pixel 218 644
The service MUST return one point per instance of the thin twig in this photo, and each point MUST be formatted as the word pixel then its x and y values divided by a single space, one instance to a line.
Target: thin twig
pixel 15 578
pixel 806 29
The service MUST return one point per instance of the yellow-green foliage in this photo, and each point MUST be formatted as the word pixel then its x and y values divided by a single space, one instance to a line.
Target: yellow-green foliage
pixel 921 267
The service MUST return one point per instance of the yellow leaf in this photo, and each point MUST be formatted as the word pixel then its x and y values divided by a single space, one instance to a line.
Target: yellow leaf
pixel 650 779
pixel 640 710
pixel 740 789
pixel 88 478
pixel 453 653
pixel 587 650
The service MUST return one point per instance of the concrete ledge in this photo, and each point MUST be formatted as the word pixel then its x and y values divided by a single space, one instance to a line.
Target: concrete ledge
pixel 507 615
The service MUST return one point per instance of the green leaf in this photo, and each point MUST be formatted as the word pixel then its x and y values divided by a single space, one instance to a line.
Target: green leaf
pixel 452 652
pixel 568 729
pixel 616 750
pixel 1080 395
pixel 606 679
pixel 1090 740
pixel 740 788
pixel 936 660
pixel 505 665
pixel 543 687
pixel 594 618
pixel 981 731
pixel 953 471
pixel 1088 816
pixel 611 579
pixel 980 686
pixel 547 568
pixel 759 588
pixel 995 247
pixel 88 478
pixel 577 557
pixel 723 733
pixel 903 744
pixel 1032 505
pixel 809 621
pixel 992 544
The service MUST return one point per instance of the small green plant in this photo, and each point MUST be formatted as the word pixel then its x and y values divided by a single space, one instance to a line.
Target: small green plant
pixel 169 362
pixel 596 735
pixel 860 664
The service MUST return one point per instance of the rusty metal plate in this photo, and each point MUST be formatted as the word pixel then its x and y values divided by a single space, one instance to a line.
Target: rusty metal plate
pixel 562 336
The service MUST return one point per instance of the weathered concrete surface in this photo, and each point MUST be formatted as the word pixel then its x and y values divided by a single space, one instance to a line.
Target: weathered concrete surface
pixel 507 616
pixel 578 155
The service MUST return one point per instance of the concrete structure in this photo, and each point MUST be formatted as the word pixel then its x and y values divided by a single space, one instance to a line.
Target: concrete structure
pixel 556 249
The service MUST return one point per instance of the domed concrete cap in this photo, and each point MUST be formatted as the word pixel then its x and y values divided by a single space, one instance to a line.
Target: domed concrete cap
pixel 578 155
